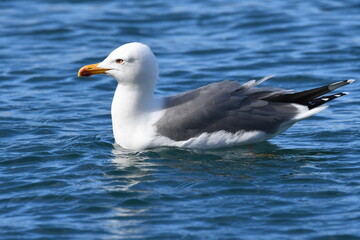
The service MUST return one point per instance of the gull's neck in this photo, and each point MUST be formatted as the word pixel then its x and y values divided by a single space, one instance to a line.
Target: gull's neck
pixel 133 99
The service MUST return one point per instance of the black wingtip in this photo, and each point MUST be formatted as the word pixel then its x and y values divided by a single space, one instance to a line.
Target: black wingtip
pixel 324 99
pixel 336 85
pixel 309 96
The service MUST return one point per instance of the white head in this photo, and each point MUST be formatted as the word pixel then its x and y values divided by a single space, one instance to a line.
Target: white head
pixel 131 64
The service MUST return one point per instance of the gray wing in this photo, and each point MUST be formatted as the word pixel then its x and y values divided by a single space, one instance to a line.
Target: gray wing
pixel 227 106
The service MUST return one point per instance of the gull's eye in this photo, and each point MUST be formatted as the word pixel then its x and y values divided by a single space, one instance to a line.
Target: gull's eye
pixel 119 60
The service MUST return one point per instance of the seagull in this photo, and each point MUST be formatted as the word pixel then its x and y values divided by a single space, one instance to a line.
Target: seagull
pixel 220 114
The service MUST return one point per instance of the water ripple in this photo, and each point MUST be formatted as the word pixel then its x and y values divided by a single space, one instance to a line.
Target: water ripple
pixel 62 177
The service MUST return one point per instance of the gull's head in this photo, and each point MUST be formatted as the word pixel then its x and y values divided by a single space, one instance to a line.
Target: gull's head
pixel 132 63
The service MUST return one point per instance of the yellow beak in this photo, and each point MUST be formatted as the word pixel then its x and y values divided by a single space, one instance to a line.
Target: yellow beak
pixel 92 69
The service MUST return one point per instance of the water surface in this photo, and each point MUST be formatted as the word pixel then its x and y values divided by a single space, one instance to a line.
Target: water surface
pixel 61 177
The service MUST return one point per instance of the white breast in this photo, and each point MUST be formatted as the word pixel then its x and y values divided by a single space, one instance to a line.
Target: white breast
pixel 133 117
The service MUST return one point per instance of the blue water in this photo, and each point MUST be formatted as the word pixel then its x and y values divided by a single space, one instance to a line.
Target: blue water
pixel 61 176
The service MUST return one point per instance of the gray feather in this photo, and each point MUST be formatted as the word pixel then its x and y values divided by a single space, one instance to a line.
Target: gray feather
pixel 227 106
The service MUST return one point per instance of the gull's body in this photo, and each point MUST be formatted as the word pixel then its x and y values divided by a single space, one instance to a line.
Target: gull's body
pixel 217 115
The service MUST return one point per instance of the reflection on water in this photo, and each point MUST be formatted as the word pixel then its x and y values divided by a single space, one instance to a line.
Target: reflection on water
pixel 235 160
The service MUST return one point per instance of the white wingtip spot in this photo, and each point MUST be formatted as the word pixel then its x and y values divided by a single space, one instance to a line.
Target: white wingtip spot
pixel 350 81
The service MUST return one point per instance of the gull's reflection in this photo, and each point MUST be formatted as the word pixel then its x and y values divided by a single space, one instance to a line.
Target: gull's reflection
pixel 214 161
pixel 236 162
